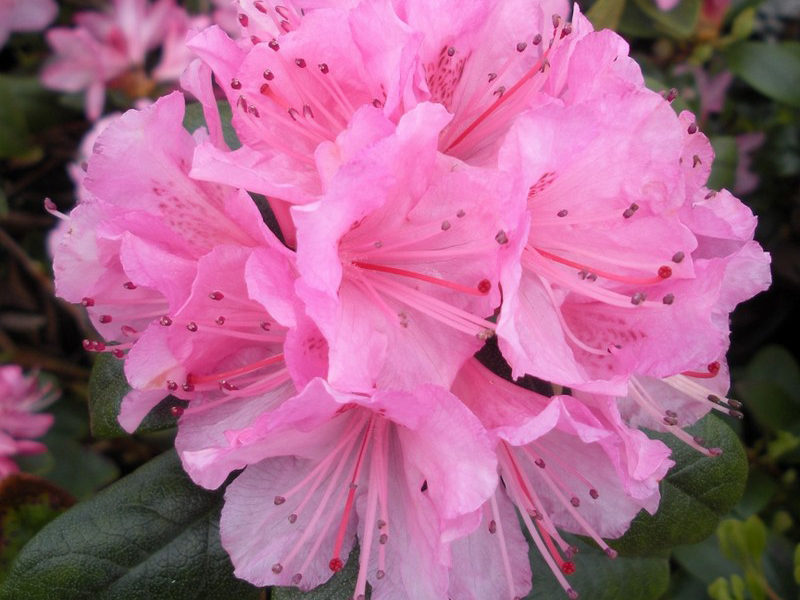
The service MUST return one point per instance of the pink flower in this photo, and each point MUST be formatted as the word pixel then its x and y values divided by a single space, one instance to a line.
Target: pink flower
pixel 163 278
pixel 19 397
pixel 110 48
pixel 404 471
pixel 25 15
pixel 566 465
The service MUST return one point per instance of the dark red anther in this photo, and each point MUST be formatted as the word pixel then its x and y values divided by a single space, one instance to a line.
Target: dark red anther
pixel 266 325
pixel 492 526
pixel 191 326
pixel 273 43
pixel 377 103
pixel 575 501
pixel 323 68
pixel 187 387
pixel 216 295
pixel 268 75
pixel 88 345
pixel 562 213
pixel 336 564
pixel 501 237
pixel 220 320
pixel 638 298
pixel 99 346
pixel 105 319
pixel 129 285
pixel 664 272
pixel 492 77
pixel 254 39
pixel 556 20
pixel 260 6
pixel 521 46
pixel 568 567
pixel 567 30
pixel 484 286
pixel 172 386
pixel 537 39
pixel 671 94
pixel 117 353
pixel 236 84
pixel 692 128
pixel 243 20
pixel 696 161
pixel 128 330
pixel 252 110
pixel 451 51
pixel 87 302
pixel 668 299
pixel 264 89
pixel 678 257
pixel 165 321
pixel 300 62
pixel 282 11
pixel 176 411
pixel 594 494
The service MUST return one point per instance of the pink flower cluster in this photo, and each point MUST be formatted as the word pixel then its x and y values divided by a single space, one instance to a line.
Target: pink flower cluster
pixel 442 179
pixel 110 49
pixel 20 396
pixel 25 15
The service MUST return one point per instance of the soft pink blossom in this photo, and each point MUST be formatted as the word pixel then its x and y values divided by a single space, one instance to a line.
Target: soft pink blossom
pixel 404 471
pixel 20 396
pixel 25 15
pixel 109 49
pixel 567 465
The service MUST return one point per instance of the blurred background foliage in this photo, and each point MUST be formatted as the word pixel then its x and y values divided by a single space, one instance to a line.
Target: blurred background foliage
pixel 734 63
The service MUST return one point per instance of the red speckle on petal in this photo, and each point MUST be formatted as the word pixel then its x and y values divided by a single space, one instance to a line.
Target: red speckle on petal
pixel 336 564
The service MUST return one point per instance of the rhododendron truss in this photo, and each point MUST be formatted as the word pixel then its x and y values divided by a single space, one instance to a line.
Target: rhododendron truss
pixel 110 49
pixel 439 178
pixel 20 397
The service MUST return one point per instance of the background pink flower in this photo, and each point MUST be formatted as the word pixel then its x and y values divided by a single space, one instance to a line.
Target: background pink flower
pixel 25 15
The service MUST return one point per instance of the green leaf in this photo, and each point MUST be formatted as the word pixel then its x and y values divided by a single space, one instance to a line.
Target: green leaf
pixel 194 118
pixel 726 158
pixel 67 462
pixel 643 18
pixel 605 14
pixel 153 534
pixel 772 69
pixel 27 504
pixel 25 109
pixel 770 388
pixel 599 577
pixel 107 388
pixel 694 495
pixel 338 587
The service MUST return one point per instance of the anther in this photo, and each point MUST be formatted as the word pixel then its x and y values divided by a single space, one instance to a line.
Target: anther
pixel 243 20
pixel 678 257
pixel 129 285
pixel 664 272
pixel 172 386
pixel 492 77
pixel 236 84
pixel 484 286
pixel 715 451
pixel 377 103
pixel 216 295
pixel 492 526
pixel 594 494
pixel 293 113
pixel 220 320
pixel 87 302
pixel 381 523
pixel 282 11
pixel 460 213
pixel 274 45
pixel 671 95
pixel 187 387
pixel 562 213
pixel 292 518
pixel 264 89
pixel 537 39
pixel 383 538
pixel 260 6
pixel 556 20
pixel 307 112
pixel 500 91
pixel 713 367
pixel 105 319
pixel 128 330
pixel 521 46
pixel 445 225
pixel 117 353
pixel 254 39
pixel 611 553
pixel 323 68
pixel 165 321
pixel 710 194
pixel 692 128
pixel 277 568
pixel 176 411
pixel 572 594
pixel 191 326
pixel 336 565
pixel 501 237
pixel 278 500
pixel 568 567
pixel 266 325
pixel 252 110
pixel 268 75
pixel 671 421
pixel 638 298
pixel 451 51
pixel 300 62
pixel 627 213
pixel 567 30
pixel 575 501
pixel 297 578
pixel 539 463
pixel 380 574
